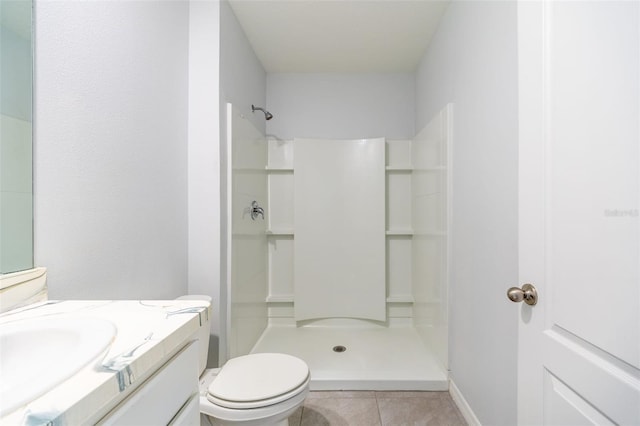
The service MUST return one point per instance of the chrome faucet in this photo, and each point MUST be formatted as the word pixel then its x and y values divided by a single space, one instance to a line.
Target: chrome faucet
pixel 256 210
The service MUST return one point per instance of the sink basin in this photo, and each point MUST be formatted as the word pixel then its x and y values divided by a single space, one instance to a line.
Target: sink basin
pixel 38 354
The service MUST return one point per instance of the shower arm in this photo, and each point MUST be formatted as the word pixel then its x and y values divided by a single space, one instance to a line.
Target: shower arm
pixel 267 114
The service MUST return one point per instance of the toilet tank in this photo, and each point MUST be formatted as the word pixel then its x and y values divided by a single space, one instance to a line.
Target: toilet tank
pixel 203 333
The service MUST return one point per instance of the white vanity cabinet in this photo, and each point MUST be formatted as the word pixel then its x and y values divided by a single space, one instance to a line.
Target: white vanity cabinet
pixel 169 397
pixel 147 376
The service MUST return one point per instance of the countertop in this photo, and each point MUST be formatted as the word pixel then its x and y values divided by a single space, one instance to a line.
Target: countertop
pixel 159 327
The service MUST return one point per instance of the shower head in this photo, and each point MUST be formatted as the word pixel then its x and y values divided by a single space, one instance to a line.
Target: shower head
pixel 267 114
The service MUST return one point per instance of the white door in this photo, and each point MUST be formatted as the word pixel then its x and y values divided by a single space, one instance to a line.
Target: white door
pixel 579 347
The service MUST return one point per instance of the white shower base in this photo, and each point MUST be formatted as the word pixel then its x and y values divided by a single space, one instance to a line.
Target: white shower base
pixel 376 357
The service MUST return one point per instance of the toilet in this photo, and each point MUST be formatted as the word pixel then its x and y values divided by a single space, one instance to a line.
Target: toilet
pixel 252 390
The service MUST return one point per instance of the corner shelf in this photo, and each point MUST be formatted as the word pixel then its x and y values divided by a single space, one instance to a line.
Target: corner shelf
pixel 399 169
pixel 283 298
pixel 279 169
pixel 400 298
pixel 278 232
pixel 399 232
pixel 430 233
pixel 430 169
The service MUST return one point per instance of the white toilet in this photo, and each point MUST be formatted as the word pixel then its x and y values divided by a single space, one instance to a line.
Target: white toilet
pixel 251 390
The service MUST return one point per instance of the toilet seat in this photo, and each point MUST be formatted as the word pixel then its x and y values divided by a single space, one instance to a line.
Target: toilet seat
pixel 258 380
pixel 274 414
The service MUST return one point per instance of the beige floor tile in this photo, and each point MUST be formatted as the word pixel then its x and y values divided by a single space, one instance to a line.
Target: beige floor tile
pixel 296 417
pixel 450 410
pixel 418 411
pixel 340 412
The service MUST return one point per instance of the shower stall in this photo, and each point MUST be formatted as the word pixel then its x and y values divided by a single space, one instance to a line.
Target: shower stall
pixel 337 253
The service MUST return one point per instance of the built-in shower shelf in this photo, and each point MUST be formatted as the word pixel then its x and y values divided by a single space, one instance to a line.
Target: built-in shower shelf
pixel 288 298
pixel 399 232
pixel 277 232
pixel 400 169
pixel 401 298
pixel 242 169
pixel 282 298
pixel 272 169
pixel 430 232
pixel 430 169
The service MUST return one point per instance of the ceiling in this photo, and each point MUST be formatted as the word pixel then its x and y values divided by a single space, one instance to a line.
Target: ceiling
pixel 339 35
pixel 318 35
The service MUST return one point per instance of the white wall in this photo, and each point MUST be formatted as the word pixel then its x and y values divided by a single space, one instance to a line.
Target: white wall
pixel 111 90
pixel 472 62
pixel 204 161
pixel 242 77
pixel 341 106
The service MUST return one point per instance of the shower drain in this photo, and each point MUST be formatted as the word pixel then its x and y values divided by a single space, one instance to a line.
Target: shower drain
pixel 339 348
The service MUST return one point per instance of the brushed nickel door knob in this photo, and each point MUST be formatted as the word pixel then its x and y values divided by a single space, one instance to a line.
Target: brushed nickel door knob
pixel 527 293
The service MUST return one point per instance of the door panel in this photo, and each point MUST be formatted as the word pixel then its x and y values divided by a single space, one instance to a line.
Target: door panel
pixel 593 74
pixel 592 374
pixel 579 348
pixel 564 407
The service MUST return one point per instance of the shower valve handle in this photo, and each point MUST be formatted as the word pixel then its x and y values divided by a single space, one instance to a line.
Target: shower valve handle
pixel 256 210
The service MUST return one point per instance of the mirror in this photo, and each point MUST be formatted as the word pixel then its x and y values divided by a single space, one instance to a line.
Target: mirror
pixel 16 182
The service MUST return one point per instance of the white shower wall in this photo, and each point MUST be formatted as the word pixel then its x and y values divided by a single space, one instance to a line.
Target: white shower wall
pixel 247 246
pixel 431 218
pixel 398 232
pixel 417 234
pixel 339 221
pixel 352 107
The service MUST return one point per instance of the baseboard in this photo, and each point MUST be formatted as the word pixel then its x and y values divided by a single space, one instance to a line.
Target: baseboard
pixel 463 406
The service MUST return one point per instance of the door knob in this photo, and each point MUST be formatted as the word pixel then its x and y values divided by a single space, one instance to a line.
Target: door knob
pixel 527 293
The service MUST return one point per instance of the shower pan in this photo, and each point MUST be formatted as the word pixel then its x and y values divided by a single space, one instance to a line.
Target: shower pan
pixel 349 269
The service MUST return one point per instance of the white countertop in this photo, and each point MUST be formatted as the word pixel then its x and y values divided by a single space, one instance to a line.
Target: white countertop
pixel 163 326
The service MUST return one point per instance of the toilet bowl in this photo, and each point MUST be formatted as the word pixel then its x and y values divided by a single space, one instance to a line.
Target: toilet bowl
pixel 261 389
pixel 257 389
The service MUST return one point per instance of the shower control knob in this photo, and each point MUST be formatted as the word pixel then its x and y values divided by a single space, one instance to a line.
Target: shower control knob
pixel 256 210
pixel 527 294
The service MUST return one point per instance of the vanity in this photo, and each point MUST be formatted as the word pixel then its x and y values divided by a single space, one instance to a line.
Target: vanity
pixel 124 362
pixel 76 362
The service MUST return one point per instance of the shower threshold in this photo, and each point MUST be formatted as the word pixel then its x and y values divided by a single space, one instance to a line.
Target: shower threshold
pixel 359 358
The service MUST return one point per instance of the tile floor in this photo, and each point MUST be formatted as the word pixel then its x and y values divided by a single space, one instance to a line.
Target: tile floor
pixel 368 408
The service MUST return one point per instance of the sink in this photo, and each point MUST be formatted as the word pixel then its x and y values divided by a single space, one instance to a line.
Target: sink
pixel 38 354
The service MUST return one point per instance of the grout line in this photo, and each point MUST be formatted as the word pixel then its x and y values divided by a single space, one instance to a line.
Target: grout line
pixel 375 394
pixel 442 396
pixel 301 415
